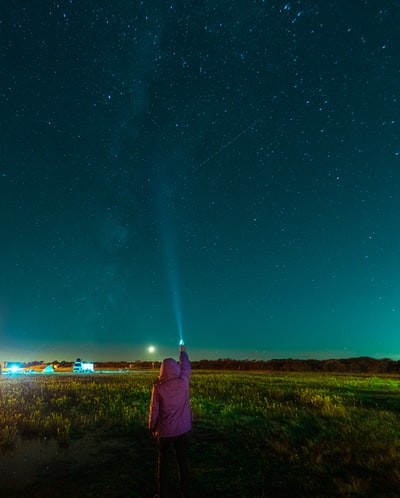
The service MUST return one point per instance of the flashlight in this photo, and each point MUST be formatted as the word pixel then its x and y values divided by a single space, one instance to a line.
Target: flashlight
pixel 181 343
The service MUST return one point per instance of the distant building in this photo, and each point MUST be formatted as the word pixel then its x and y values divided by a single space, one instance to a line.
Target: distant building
pixel 82 366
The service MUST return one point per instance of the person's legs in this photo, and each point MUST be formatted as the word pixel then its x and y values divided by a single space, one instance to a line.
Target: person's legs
pixel 180 444
pixel 164 448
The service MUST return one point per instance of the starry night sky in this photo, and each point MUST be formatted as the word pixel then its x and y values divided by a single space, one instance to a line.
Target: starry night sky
pixel 226 168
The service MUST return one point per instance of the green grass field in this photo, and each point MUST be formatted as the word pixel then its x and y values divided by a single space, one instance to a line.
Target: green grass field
pixel 254 435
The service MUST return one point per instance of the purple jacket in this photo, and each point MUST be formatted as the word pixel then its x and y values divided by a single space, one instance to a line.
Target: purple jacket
pixel 170 414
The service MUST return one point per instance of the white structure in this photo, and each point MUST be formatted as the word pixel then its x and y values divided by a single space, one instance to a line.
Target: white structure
pixel 82 366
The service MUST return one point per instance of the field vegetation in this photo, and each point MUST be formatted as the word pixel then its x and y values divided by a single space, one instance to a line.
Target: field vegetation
pixel 255 434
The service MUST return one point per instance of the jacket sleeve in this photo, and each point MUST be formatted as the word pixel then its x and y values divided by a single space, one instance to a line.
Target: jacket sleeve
pixel 186 368
pixel 154 409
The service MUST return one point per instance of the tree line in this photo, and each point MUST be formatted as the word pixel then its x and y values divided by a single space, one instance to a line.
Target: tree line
pixel 363 364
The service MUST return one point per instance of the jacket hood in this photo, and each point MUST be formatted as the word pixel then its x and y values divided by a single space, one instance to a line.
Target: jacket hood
pixel 169 369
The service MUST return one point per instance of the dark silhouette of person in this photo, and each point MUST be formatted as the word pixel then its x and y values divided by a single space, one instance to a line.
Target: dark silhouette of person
pixel 170 420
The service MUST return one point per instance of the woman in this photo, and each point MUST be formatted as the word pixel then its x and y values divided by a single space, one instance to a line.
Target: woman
pixel 170 419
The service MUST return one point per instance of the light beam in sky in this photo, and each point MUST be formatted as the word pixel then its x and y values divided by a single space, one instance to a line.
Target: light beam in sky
pixel 168 236
pixel 174 286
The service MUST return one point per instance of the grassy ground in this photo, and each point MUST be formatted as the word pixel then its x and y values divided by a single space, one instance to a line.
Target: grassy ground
pixel 255 435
